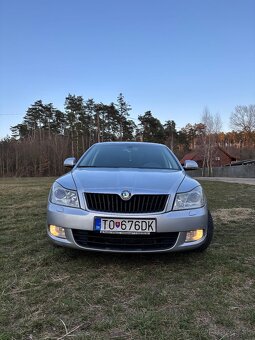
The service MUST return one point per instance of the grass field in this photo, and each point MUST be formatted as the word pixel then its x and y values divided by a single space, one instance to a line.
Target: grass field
pixel 56 293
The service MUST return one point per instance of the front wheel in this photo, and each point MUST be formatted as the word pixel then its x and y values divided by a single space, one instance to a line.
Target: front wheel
pixel 209 236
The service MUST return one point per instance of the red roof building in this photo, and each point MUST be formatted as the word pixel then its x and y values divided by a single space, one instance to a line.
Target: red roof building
pixel 220 157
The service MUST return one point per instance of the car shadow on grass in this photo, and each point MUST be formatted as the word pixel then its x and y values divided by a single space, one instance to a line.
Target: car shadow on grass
pixel 91 257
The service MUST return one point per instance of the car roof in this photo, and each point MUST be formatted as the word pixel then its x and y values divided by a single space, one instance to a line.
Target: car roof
pixel 128 142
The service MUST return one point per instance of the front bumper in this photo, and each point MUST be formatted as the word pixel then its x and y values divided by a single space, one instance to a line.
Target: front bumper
pixel 170 222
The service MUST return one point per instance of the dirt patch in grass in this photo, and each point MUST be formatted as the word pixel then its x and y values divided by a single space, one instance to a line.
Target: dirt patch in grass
pixel 233 215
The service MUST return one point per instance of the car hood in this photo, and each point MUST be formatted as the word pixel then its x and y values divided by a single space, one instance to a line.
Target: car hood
pixel 135 180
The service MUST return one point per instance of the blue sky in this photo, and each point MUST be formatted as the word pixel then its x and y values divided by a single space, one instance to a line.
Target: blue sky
pixel 173 57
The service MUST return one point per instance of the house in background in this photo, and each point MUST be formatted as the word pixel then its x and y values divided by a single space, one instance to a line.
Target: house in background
pixel 220 157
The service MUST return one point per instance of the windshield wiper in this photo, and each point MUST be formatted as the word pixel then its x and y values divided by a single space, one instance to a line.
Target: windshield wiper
pixel 87 166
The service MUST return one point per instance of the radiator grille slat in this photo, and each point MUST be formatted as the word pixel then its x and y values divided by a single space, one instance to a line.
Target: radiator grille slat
pixel 114 203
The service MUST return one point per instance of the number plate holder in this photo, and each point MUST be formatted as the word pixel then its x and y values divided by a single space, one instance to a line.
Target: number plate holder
pixel 108 225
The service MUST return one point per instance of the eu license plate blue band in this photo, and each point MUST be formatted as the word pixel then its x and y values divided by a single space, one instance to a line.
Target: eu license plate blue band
pixel 97 224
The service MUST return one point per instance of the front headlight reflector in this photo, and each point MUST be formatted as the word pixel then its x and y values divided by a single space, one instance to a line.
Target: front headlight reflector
pixel 60 195
pixel 190 200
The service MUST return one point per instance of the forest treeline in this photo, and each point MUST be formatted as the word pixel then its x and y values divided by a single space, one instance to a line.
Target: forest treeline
pixel 47 135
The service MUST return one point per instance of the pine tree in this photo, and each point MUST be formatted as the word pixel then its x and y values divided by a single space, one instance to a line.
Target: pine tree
pixel 74 108
pixel 123 109
pixel 151 128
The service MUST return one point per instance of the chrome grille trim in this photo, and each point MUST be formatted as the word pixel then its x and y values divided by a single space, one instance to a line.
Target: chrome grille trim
pixel 113 203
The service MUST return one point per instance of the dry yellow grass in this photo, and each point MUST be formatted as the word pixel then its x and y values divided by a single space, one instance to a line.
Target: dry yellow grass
pixel 234 214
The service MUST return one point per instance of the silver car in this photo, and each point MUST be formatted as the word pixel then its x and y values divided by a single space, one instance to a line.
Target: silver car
pixel 129 197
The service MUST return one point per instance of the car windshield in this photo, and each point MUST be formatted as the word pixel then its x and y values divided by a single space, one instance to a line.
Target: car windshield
pixel 128 155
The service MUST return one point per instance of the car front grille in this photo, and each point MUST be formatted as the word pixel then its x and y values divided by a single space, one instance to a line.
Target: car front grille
pixel 137 204
pixel 117 242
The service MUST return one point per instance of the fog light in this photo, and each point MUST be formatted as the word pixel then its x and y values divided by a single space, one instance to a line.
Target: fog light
pixel 194 235
pixel 57 231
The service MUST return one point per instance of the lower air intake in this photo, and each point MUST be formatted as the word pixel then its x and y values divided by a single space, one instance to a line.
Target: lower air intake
pixel 154 241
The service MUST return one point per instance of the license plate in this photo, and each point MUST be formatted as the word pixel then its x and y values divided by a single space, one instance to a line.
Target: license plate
pixel 125 226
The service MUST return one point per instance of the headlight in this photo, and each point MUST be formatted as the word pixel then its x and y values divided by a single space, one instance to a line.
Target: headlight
pixel 62 196
pixel 190 200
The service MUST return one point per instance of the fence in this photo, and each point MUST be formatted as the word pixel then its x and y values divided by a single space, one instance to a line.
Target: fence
pixel 241 171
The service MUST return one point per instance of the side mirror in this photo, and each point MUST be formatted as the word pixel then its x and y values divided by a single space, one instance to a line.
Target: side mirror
pixel 70 162
pixel 190 165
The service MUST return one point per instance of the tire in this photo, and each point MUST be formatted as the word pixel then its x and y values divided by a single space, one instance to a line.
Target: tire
pixel 209 235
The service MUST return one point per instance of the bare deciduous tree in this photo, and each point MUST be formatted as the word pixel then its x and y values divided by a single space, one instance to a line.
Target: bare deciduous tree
pixel 213 125
pixel 243 120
